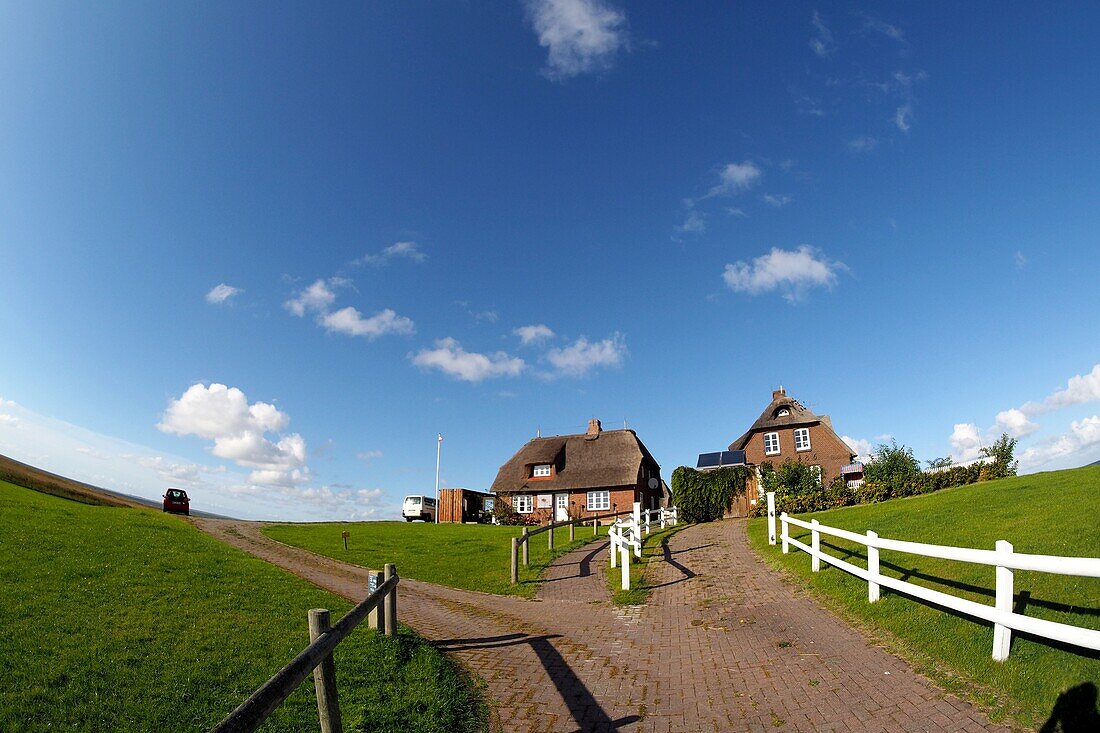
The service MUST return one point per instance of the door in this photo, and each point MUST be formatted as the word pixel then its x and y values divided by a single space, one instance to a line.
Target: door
pixel 561 507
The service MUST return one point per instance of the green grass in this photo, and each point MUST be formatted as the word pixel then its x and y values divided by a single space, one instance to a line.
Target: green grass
pixel 1049 513
pixel 130 620
pixel 468 556
pixel 653 547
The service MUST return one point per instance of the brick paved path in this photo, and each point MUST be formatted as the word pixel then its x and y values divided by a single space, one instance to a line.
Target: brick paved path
pixel 578 575
pixel 724 645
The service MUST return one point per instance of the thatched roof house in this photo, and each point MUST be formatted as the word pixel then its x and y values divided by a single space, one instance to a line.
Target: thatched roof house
pixel 570 476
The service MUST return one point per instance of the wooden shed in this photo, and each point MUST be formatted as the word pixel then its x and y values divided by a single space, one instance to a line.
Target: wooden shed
pixel 459 506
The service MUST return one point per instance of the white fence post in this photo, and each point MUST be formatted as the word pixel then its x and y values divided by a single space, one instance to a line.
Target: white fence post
pixel 675 516
pixel 785 536
pixel 637 515
pixel 1002 635
pixel 872 568
pixel 815 545
pixel 612 543
pixel 647 514
pixel 771 517
pixel 626 567
pixel 661 516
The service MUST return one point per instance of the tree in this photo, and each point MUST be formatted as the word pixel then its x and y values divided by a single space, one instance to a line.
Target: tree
pixel 944 462
pixel 1002 452
pixel 891 464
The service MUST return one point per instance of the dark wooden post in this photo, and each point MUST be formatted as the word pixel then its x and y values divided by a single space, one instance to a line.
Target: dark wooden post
pixel 515 560
pixel 550 542
pixel 324 676
pixel 572 530
pixel 391 602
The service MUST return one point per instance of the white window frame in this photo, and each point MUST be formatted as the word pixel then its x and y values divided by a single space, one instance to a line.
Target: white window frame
pixel 598 505
pixel 777 450
pixel 784 412
pixel 801 432
pixel 522 504
pixel 541 470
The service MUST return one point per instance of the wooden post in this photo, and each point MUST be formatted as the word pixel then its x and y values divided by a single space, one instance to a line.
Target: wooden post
pixel 391 602
pixel 662 515
pixel 872 569
pixel 595 527
pixel 637 516
pixel 626 567
pixel 515 560
pixel 376 619
pixel 324 676
pixel 612 545
pixel 525 543
pixel 572 531
pixel 344 535
pixel 647 523
pixel 1002 635
pixel 786 535
pixel 771 517
pixel 815 545
pixel 550 532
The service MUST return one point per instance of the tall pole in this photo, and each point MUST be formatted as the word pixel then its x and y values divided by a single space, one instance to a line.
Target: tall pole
pixel 438 446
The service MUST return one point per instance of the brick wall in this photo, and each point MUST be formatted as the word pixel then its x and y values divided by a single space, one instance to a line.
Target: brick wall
pixel 622 499
pixel 826 450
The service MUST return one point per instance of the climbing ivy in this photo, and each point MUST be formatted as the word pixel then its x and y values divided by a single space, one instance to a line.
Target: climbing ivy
pixel 703 496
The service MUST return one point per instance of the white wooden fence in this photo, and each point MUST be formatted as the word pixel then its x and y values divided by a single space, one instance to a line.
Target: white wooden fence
pixel 1002 558
pixel 627 532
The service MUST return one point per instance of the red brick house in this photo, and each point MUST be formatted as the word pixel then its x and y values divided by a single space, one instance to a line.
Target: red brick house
pixel 575 476
pixel 787 429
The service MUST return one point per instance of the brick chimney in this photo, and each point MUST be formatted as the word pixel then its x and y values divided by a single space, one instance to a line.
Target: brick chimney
pixel 777 393
pixel 594 428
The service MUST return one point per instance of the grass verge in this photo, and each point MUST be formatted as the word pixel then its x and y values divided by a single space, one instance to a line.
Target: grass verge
pixel 468 556
pixel 130 620
pixel 1049 513
pixel 654 546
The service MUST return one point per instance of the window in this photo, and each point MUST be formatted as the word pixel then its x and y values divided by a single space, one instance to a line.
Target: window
pixel 599 501
pixel 489 505
pixel 522 503
pixel 802 439
pixel 771 444
pixel 541 471
pixel 783 412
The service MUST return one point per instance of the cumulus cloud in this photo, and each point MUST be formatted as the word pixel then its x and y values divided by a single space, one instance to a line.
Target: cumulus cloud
pixel 736 177
pixel 822 42
pixel 449 357
pixel 1083 435
pixel 1080 389
pixel 406 250
pixel 777 201
pixel 351 322
pixel 221 294
pixel 694 223
pixel 238 430
pixel 862 447
pixel 534 334
pixel 966 442
pixel 581 36
pixel 582 356
pixel 1015 423
pixel 791 272
pixel 315 298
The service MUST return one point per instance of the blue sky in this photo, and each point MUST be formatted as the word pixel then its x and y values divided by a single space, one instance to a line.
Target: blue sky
pixel 481 219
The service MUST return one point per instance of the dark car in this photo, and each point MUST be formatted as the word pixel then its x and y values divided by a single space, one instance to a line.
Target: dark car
pixel 176 502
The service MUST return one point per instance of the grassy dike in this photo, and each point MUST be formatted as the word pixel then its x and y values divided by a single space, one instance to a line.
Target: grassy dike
pixel 130 620
pixel 467 556
pixel 1050 513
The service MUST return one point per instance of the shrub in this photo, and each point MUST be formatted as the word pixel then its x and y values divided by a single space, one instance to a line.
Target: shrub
pixel 703 496
pixel 1002 454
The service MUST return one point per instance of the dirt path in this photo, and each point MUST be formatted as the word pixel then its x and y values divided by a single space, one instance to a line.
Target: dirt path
pixel 724 644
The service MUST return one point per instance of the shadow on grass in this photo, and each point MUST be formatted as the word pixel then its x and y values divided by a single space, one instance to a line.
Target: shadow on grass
pixel 586 711
pixel 1074 711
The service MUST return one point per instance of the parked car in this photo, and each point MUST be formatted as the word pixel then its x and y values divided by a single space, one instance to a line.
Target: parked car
pixel 176 502
pixel 419 507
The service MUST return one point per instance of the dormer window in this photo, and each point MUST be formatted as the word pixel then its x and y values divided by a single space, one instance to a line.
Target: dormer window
pixel 783 412
pixel 541 470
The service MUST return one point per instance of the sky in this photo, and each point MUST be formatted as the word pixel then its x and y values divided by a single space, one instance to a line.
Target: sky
pixel 268 253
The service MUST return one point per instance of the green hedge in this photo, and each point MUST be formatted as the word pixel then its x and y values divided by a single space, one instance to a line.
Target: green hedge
pixel 703 496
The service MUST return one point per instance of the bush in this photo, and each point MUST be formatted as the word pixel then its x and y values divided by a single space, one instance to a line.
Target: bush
pixel 797 487
pixel 703 496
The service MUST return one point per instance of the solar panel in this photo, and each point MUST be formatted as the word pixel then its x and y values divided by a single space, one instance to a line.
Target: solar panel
pixel 708 460
pixel 733 458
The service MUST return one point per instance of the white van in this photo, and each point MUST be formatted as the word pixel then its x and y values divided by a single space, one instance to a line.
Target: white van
pixel 418 507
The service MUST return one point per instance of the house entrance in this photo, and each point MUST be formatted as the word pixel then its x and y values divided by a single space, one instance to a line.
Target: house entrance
pixel 561 507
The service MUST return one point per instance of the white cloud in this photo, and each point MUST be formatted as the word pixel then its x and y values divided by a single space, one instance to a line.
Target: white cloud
pixel 903 118
pixel 790 271
pixel 777 201
pixel 890 31
pixel 219 294
pixel 316 298
pixel 863 144
pixel 862 447
pixel 10 421
pixel 1015 423
pixel 222 414
pixel 1020 260
pixel 736 177
pixel 368 455
pixel 884 438
pixel 966 442
pixel 582 356
pixel 735 211
pixel 822 43
pixel 449 357
pixel 351 322
pixel 694 223
pixel 406 250
pixel 1079 390
pixel 581 36
pixel 1083 436
pixel 534 334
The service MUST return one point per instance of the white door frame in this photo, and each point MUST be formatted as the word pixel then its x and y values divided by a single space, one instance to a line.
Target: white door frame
pixel 561 507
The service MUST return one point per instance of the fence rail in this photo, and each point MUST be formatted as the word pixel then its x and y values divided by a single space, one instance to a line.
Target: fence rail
pixel 1003 559
pixel 381 608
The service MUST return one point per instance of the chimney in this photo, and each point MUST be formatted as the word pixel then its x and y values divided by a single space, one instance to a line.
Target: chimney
pixel 777 393
pixel 594 428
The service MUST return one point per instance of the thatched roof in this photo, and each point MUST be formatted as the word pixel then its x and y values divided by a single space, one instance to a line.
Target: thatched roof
pixel 611 458
pixel 770 419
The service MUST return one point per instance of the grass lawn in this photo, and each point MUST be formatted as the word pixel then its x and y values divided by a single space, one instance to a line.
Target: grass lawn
pixel 130 620
pixel 1049 513
pixel 653 547
pixel 469 556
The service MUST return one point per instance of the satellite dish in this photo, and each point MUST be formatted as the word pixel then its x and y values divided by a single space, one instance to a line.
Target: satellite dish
pixel 654 483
